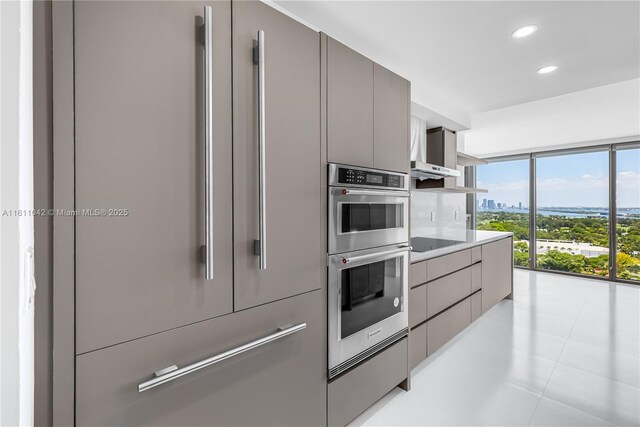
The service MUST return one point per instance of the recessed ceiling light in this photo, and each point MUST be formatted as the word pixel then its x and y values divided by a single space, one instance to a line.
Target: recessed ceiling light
pixel 525 31
pixel 548 69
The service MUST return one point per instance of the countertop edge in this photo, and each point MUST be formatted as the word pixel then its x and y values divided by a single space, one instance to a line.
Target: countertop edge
pixel 417 257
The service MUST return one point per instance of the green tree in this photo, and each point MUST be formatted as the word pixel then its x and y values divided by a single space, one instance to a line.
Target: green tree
pixel 559 261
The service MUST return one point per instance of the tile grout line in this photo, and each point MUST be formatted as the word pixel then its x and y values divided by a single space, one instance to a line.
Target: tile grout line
pixel 559 357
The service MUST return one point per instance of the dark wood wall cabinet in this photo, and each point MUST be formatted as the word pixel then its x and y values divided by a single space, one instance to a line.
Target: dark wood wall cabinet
pixel 368 109
pixel 449 292
pixel 145 310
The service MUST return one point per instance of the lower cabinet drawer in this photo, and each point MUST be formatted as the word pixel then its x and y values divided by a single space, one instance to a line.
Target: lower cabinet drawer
pixel 352 393
pixel 440 266
pixel 476 277
pixel 282 382
pixel 417 345
pixel 476 306
pixel 447 325
pixel 417 305
pixel 444 292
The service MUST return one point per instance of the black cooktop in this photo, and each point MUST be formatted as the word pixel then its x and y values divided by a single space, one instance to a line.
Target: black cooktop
pixel 424 244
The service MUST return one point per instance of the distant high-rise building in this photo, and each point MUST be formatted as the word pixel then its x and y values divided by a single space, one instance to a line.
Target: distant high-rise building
pixel 484 203
pixel 519 205
pixel 491 204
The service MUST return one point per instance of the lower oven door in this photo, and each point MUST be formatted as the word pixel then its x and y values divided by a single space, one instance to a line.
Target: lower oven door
pixel 361 218
pixel 367 303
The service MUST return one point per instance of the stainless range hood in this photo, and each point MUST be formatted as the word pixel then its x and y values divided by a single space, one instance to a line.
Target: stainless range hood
pixel 440 154
pixel 422 171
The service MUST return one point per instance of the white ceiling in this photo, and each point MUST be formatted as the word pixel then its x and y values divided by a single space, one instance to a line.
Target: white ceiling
pixel 461 58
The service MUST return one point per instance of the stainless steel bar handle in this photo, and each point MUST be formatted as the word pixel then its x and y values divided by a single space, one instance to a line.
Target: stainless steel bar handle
pixel 262 245
pixel 349 260
pixel 173 372
pixel 349 191
pixel 208 140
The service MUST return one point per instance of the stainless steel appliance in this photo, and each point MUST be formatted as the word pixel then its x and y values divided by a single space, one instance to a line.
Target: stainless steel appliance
pixel 368 263
pixel 367 208
pixel 425 244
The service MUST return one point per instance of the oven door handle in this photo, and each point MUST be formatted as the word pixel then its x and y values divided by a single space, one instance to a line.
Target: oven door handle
pixel 349 260
pixel 349 191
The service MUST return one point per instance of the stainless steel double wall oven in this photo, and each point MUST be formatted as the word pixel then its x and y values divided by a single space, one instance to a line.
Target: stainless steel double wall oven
pixel 368 262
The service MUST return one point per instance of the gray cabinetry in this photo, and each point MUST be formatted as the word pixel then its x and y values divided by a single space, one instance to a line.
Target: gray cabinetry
pixel 139 146
pixel 293 215
pixel 279 383
pixel 418 345
pixel 367 111
pixel 450 291
pixel 142 303
pixel 447 325
pixel 349 106
pixel 352 393
pixel 497 272
pixel 391 98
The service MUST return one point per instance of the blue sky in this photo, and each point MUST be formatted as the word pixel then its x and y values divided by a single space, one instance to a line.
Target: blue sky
pixel 569 180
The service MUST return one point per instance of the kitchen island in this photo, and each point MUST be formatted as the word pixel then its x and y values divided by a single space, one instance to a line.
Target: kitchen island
pixel 465 239
pixel 457 278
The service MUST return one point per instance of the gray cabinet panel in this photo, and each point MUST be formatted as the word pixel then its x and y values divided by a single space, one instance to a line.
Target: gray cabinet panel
pixel 476 277
pixel 391 98
pixel 438 267
pixel 447 325
pixel 352 393
pixel 417 305
pixel 476 306
pixel 139 146
pixel 476 254
pixel 294 216
pixel 417 273
pixel 497 272
pixel 448 290
pixel 417 345
pixel 349 106
pixel 282 383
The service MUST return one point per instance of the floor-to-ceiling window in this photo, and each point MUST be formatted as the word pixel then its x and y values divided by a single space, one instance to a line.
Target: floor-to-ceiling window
pixel 628 213
pixel 572 212
pixel 506 205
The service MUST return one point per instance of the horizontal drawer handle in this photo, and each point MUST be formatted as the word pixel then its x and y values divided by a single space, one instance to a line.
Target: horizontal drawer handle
pixel 173 372
pixel 350 260
pixel 349 191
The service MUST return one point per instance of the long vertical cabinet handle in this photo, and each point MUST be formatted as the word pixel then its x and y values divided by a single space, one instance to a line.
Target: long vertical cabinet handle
pixel 261 244
pixel 208 139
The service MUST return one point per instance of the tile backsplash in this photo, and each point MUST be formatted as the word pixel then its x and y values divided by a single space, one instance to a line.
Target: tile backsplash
pixel 437 212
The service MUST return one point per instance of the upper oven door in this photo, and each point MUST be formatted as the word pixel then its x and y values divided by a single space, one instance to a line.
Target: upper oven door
pixel 361 218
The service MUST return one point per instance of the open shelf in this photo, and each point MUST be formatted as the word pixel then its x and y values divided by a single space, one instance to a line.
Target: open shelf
pixel 468 160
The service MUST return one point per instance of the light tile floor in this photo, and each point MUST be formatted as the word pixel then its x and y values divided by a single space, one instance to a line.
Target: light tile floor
pixel 564 352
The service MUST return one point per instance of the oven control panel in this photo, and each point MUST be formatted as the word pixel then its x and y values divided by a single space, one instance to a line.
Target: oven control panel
pixel 351 176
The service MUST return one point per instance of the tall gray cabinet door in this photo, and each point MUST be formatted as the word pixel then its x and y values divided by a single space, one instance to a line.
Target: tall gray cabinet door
pixel 497 272
pixel 391 97
pixel 349 106
pixel 292 185
pixel 139 155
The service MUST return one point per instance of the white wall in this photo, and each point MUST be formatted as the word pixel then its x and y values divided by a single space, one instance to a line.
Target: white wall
pixel 16 232
pixel 586 117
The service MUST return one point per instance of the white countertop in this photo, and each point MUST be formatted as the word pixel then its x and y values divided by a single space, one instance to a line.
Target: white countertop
pixel 468 239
